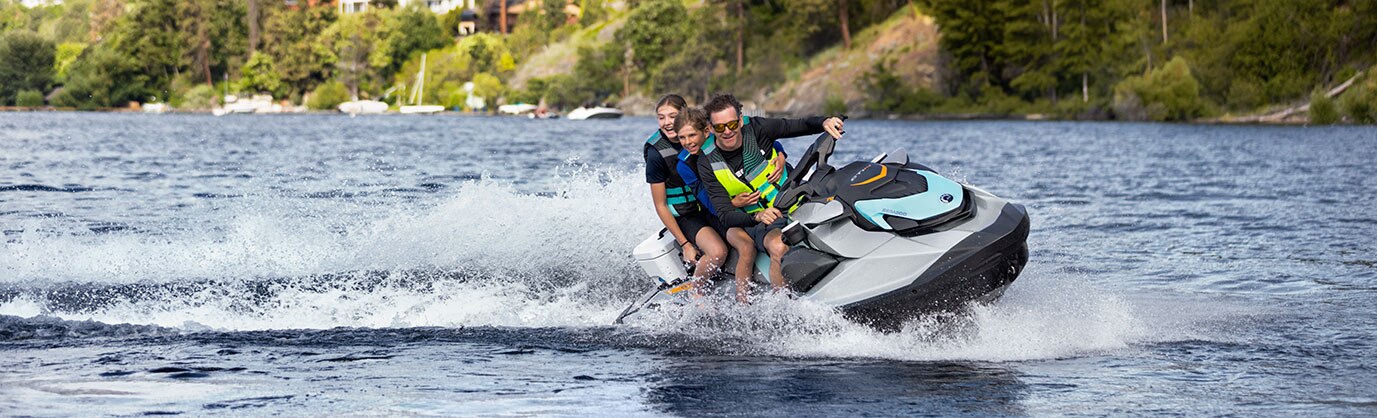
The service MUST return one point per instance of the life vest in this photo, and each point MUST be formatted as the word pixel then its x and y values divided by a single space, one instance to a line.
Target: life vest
pixel 678 196
pixel 687 165
pixel 751 179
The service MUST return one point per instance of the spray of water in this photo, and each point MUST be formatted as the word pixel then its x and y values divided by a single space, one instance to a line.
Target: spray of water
pixel 489 255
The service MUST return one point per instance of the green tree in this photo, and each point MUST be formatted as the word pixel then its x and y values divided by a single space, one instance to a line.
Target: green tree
pixel 1283 48
pixel 260 75
pixel 359 55
pixel 291 38
pixel 103 77
pixel 148 35
pixel 972 32
pixel 1027 46
pixel 67 53
pixel 1087 39
pixel 651 30
pixel 26 63
pixel 409 31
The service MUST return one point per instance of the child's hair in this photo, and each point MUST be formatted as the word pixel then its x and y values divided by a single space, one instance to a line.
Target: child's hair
pixel 693 116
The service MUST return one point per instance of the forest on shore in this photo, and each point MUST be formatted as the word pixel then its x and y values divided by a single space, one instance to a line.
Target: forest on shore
pixel 1166 60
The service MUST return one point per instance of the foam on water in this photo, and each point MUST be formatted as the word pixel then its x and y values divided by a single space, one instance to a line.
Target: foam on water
pixel 484 224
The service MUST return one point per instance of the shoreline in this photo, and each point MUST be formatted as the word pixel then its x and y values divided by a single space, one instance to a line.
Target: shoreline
pixel 944 117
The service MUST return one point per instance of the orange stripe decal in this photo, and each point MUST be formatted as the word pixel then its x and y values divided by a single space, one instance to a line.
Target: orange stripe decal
pixel 883 170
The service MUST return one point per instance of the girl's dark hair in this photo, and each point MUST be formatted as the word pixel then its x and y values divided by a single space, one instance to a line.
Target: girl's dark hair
pixel 674 100
pixel 693 116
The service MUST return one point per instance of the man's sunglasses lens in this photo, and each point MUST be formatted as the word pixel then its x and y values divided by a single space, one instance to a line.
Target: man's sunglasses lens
pixel 720 127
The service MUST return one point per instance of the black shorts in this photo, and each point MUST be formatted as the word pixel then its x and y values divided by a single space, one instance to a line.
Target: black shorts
pixel 759 231
pixel 691 224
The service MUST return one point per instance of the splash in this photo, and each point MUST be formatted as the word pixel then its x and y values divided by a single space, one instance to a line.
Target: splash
pixel 486 255
pixel 1041 316
pixel 489 255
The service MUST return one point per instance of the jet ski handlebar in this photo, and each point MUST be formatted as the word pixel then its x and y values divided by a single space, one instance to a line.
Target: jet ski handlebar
pixel 816 160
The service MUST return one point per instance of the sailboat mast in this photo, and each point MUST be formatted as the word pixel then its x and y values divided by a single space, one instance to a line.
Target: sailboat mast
pixel 421 85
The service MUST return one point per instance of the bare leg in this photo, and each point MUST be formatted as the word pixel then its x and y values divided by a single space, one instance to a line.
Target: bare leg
pixel 714 251
pixel 774 243
pixel 745 262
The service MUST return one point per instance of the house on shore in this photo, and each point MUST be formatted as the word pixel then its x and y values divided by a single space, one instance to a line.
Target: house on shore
pixel 39 3
pixel 500 15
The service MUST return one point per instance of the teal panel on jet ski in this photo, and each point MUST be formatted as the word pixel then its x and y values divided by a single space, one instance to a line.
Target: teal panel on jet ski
pixel 918 207
pixel 762 264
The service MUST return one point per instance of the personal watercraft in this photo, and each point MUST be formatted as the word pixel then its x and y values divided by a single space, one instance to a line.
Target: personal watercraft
pixel 883 241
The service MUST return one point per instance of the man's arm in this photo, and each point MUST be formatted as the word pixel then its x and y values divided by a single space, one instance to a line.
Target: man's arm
pixel 731 216
pixel 769 129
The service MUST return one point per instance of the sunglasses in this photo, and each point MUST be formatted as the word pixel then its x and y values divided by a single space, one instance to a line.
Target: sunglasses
pixel 723 127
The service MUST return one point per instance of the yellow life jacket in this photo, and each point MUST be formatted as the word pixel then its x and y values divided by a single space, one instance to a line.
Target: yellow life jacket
pixel 752 178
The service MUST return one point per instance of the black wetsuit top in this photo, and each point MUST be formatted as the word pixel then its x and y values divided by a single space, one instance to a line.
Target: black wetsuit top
pixel 766 131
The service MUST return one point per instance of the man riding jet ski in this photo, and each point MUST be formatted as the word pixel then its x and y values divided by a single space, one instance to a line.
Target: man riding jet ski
pixel 883 241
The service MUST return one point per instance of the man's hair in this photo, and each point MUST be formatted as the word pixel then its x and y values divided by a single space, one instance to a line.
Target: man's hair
pixel 673 100
pixel 693 116
pixel 721 102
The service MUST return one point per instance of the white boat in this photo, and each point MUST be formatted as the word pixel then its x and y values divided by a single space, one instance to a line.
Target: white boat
pixel 516 109
pixel 418 95
pixel 259 103
pixel 598 112
pixel 155 107
pixel 363 107
pixel 422 109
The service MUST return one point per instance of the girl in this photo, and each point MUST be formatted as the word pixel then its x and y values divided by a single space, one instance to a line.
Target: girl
pixel 676 203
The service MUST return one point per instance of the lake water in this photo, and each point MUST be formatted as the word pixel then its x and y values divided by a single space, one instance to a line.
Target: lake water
pixel 323 265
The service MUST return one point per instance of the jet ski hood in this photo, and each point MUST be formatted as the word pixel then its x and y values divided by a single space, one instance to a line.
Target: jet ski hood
pixel 893 196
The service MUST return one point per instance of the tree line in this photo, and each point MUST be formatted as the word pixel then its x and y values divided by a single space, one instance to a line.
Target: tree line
pixel 105 53
pixel 1155 59
pixel 1126 59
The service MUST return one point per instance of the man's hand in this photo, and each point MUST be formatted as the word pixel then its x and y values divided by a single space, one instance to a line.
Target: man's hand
pixel 833 126
pixel 768 216
pixel 746 199
pixel 779 163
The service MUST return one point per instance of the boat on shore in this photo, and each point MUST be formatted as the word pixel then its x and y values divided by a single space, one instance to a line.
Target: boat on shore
pixel 362 107
pixel 596 112
pixel 418 95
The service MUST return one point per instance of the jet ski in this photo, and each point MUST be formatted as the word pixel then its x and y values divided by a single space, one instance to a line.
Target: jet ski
pixel 883 241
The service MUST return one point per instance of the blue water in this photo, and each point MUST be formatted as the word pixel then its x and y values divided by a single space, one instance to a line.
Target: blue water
pixel 318 265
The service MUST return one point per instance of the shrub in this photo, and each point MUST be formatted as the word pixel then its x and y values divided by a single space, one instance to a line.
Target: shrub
pixel 834 105
pixel 1360 105
pixel 889 93
pixel 1169 93
pixel 199 97
pixel 328 96
pixel 29 98
pixel 1322 109
pixel 488 87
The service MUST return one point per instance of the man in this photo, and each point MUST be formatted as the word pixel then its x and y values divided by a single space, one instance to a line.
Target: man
pixel 738 167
